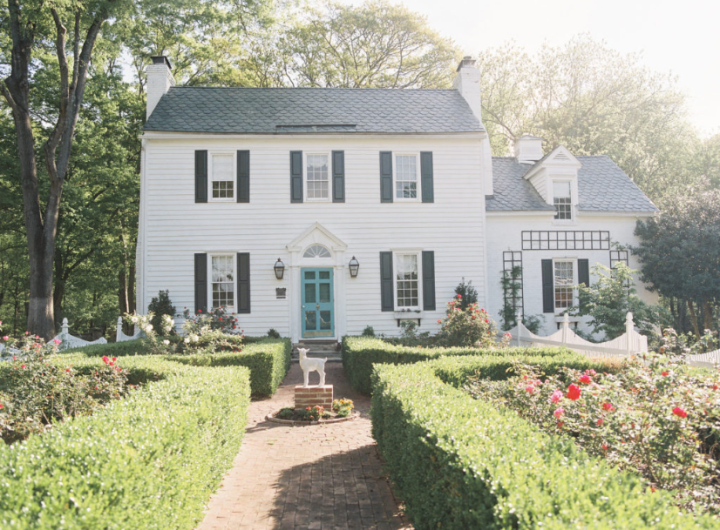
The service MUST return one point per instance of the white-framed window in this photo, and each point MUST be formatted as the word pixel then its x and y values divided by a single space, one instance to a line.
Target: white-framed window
pixel 317 251
pixel 562 199
pixel 317 177
pixel 407 280
pixel 564 282
pixel 407 170
pixel 222 177
pixel 222 280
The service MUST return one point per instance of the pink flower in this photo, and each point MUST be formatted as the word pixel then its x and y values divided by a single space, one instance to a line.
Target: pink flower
pixel 559 412
pixel 605 447
pixel 556 396
pixel 439 321
pixel 600 422
pixel 530 389
pixel 114 359
pixel 585 379
pixel 573 392
pixel 57 341
pixel 1 405
pixel 6 337
pixel 679 412
pixel 105 359
pixel 590 372
pixel 22 366
pixel 508 335
pixel 607 406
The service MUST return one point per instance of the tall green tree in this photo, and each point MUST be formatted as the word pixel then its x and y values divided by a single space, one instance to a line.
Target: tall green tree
pixel 680 255
pixel 372 45
pixel 35 26
pixel 593 100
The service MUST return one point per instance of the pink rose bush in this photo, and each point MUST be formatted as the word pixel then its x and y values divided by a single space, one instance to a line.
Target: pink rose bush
pixel 469 327
pixel 37 392
pixel 656 416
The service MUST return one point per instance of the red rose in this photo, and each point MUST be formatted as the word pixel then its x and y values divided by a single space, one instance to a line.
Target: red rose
pixel 114 359
pixel 715 386
pixel 560 424
pixel 1 405
pixel 665 373
pixel 459 296
pixel 585 379
pixel 22 366
pixel 487 321
pixel 607 406
pixel 679 412
pixel 600 422
pixel 605 447
pixel 573 392
pixel 530 389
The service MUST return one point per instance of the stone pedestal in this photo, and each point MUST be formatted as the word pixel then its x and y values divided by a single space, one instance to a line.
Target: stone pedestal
pixel 313 395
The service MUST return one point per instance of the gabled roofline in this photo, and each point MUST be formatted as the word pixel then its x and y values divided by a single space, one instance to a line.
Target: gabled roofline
pixel 550 157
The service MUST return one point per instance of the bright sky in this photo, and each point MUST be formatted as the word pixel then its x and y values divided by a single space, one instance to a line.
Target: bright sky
pixel 678 37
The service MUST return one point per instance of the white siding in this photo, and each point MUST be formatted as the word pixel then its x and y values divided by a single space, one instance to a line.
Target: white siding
pixel 175 227
pixel 504 232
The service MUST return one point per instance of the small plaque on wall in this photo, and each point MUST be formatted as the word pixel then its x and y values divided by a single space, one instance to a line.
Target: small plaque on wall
pixel 280 293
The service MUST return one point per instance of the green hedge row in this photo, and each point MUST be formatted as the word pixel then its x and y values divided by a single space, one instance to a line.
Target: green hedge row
pixel 360 353
pixel 268 361
pixel 150 460
pixel 113 349
pixel 459 463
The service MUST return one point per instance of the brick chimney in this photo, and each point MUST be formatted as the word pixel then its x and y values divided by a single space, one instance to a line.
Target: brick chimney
pixel 159 81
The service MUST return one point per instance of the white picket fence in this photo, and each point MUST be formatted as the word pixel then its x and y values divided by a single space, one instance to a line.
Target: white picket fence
pixel 629 343
pixel 706 360
pixel 121 337
pixel 67 341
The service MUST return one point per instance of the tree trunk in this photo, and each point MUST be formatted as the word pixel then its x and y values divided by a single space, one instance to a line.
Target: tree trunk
pixel 693 318
pixel 708 316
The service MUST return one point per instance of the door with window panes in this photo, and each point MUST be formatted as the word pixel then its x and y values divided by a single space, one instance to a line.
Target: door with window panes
pixel 318 319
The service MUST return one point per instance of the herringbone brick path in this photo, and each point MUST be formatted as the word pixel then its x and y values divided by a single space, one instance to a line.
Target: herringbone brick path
pixel 310 477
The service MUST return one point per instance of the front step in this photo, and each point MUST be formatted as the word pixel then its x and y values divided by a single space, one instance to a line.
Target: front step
pixel 319 348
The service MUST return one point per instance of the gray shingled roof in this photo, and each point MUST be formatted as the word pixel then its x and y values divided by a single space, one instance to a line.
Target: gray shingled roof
pixel 311 110
pixel 602 186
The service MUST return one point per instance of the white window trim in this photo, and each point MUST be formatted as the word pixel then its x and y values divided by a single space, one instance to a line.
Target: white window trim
pixel 418 194
pixel 417 253
pixel 574 262
pixel 233 157
pixel 328 154
pixel 573 201
pixel 233 260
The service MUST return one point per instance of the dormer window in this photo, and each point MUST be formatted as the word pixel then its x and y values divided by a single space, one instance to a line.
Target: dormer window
pixel 562 199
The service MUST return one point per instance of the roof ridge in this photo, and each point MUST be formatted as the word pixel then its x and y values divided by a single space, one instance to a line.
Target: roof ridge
pixel 316 88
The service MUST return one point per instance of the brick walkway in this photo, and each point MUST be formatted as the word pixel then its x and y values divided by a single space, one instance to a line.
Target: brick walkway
pixel 311 477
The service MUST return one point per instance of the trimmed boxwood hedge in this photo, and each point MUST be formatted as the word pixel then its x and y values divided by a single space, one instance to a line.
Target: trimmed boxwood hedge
pixel 360 353
pixel 113 349
pixel 461 463
pixel 268 361
pixel 150 460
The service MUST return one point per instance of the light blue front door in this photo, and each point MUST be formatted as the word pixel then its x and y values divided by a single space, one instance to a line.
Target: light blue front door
pixel 318 312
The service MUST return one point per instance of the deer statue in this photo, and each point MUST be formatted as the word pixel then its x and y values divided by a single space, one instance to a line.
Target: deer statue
pixel 311 365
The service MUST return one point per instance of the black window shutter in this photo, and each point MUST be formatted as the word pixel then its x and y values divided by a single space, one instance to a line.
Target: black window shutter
pixel 243 282
pixel 296 176
pixel 338 176
pixel 428 273
pixel 201 176
pixel 243 176
pixel 426 177
pixel 548 287
pixel 201 278
pixel 584 272
pixel 386 177
pixel 386 281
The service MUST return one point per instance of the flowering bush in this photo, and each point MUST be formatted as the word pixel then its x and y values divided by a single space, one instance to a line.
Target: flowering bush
pixel 468 327
pixel 155 337
pixel 27 344
pixel 343 407
pixel 216 320
pixel 314 413
pixel 37 393
pixel 655 416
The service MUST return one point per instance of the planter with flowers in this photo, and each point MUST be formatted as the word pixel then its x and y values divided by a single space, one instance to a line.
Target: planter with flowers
pixel 342 410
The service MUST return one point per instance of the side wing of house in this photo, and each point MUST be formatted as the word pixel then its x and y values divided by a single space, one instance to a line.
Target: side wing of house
pixel 549 222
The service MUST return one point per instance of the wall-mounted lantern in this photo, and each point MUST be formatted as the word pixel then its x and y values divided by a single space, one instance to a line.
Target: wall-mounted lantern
pixel 354 267
pixel 279 269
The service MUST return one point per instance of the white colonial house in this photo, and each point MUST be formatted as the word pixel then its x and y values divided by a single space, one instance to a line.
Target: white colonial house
pixel 318 212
